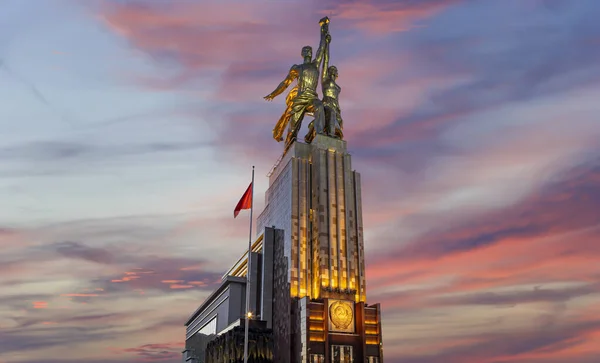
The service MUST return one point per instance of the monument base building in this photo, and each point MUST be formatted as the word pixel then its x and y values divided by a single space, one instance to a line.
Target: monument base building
pixel 307 267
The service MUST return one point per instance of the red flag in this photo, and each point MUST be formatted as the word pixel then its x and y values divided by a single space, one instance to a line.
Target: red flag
pixel 245 202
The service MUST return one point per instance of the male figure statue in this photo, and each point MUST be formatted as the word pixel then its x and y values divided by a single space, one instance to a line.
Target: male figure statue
pixel 306 100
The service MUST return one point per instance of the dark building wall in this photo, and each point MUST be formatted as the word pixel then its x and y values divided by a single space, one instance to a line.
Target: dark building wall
pixel 229 347
pixel 267 273
pixel 226 303
pixel 222 312
pixel 197 346
pixel 255 284
pixel 218 308
pixel 237 300
pixel 278 202
pixel 281 302
pixel 299 330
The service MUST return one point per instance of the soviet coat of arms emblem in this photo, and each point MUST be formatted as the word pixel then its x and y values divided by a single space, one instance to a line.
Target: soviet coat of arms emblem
pixel 341 316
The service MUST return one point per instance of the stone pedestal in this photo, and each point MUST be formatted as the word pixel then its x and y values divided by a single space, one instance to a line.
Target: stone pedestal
pixel 314 196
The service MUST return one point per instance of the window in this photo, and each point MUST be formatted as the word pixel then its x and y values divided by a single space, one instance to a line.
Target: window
pixel 372 359
pixel 209 328
pixel 317 358
pixel 341 354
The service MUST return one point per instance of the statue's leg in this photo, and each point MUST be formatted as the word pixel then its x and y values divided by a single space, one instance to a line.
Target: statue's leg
pixel 330 121
pixel 335 119
pixel 326 117
pixel 295 124
pixel 297 121
pixel 310 135
pixel 319 113
pixel 291 124
pixel 339 126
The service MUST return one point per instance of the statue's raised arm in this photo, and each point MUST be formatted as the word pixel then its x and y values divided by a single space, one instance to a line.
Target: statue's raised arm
pixel 323 49
pixel 325 60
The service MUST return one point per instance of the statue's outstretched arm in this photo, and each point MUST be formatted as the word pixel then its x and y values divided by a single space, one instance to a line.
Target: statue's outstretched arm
pixel 292 74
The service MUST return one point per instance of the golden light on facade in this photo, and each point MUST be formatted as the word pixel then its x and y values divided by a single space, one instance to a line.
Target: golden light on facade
pixel 372 340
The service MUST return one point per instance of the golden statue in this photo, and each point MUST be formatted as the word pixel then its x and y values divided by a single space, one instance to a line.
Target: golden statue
pixel 303 98
pixel 334 124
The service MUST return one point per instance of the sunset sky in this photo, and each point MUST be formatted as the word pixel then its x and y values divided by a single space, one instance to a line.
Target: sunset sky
pixel 129 129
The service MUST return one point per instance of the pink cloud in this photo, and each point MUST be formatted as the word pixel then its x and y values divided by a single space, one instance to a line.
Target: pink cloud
pixel 381 17
pixel 154 352
pixel 508 262
pixel 544 239
pixel 202 36
pixel 171 281
pixel 79 295
pixel 12 239
pixel 197 283
pixel 191 268
pixel 168 273
pixel 178 286
pixel 208 38
pixel 40 304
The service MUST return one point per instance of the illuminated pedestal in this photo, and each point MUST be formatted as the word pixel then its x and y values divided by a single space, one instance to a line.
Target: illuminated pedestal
pixel 314 196
pixel 319 282
pixel 307 267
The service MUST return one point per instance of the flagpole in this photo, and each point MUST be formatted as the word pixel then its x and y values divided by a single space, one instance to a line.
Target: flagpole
pixel 248 288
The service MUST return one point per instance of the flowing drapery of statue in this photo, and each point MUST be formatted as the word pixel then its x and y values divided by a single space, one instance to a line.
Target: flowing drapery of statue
pixel 303 99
